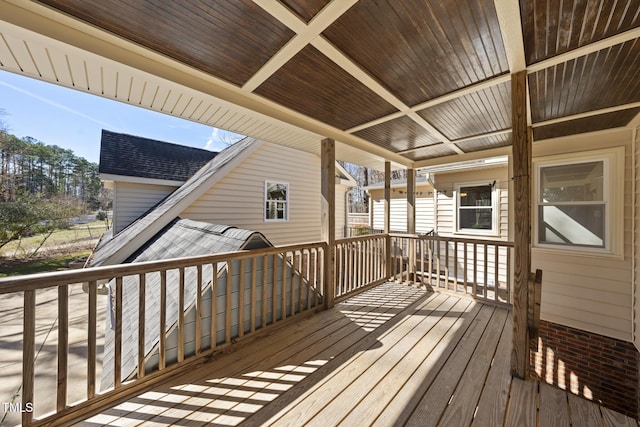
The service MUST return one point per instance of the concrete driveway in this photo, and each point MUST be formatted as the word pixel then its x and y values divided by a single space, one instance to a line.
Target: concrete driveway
pixel 46 342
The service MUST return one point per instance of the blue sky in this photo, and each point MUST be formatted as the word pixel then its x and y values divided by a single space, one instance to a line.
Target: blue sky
pixel 73 119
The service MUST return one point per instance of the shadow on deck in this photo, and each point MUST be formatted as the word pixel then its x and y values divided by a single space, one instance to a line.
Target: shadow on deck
pixel 395 355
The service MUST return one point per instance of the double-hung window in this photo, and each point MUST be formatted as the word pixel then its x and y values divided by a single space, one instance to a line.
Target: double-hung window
pixel 276 196
pixel 577 201
pixel 476 209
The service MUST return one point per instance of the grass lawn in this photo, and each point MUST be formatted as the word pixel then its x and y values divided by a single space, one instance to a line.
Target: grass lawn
pixel 57 263
pixel 78 232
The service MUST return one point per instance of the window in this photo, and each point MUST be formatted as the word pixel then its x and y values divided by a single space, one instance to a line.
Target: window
pixel 577 201
pixel 476 209
pixel 276 201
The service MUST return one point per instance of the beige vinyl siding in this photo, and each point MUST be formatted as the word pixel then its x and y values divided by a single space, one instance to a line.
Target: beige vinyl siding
pixel 130 200
pixel 424 212
pixel 341 213
pixel 398 222
pixel 588 292
pixel 446 192
pixel 238 198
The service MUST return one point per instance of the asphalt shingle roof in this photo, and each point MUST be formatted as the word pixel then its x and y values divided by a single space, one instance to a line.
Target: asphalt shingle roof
pixel 180 238
pixel 128 155
pixel 127 241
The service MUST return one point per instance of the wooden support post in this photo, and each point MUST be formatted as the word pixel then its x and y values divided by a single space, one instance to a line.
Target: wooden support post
pixel 387 216
pixel 328 210
pixel 521 147
pixel 411 201
pixel 411 223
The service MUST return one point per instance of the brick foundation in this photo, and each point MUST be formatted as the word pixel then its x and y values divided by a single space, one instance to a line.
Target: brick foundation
pixel 593 366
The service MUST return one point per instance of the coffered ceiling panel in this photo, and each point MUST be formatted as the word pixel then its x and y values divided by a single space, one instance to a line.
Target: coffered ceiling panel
pixel 398 80
pixel 229 39
pixel 422 49
pixel 306 9
pixel 485 143
pixel 552 27
pixel 599 80
pixel 431 152
pixel 480 112
pixel 316 86
pixel 587 124
pixel 398 135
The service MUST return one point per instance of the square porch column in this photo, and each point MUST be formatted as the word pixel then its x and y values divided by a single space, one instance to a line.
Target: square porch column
pixel 328 217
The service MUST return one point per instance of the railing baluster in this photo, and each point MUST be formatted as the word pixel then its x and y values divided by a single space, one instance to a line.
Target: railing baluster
pixel 142 300
pixel 63 346
pixel 475 270
pixel 117 372
pixel 430 261
pixel 292 278
pixel 214 305
pixel 486 270
pixel 28 355
pixel 508 278
pixel 310 284
pixel 265 262
pixel 446 265
pixel 228 305
pixel 162 344
pixel 253 300
pixel 438 262
pixel 274 288
pixel 496 279
pixel 181 342
pixel 92 339
pixel 198 308
pixel 284 286
pixel 300 281
pixel 241 298
pixel 455 266
pixel 466 268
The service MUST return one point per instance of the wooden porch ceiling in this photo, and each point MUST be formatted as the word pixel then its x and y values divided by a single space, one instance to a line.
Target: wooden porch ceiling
pixel 407 80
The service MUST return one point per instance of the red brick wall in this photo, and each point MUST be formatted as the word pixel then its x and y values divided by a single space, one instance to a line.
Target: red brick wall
pixel 593 366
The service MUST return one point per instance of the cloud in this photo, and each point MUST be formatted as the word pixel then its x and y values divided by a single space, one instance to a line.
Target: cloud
pixel 60 106
pixel 221 139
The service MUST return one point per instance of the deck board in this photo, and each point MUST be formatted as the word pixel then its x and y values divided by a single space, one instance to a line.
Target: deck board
pixel 395 355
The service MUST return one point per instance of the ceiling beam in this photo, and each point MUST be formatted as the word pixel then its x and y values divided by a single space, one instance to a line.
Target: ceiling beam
pixel 46 22
pixel 508 12
pixel 454 158
pixel 304 34
pixel 585 50
pixel 587 114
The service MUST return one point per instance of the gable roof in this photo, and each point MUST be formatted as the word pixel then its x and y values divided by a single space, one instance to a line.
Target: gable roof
pixel 128 241
pixel 134 156
pixel 180 238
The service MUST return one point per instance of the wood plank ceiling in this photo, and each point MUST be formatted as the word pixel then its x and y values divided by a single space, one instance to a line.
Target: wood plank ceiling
pixel 411 80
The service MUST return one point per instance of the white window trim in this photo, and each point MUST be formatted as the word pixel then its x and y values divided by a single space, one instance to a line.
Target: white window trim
pixel 264 205
pixel 495 214
pixel 613 194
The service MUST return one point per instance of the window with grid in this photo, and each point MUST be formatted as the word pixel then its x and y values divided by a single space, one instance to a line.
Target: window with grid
pixel 276 201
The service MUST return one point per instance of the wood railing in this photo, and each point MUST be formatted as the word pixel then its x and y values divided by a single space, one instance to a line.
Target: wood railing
pixel 162 319
pixel 167 316
pixel 360 263
pixel 480 268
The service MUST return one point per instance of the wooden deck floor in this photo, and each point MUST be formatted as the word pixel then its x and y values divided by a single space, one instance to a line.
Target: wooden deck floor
pixel 394 355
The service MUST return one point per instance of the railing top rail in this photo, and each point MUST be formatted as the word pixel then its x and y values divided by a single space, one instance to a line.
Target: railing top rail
pixel 455 239
pixel 59 278
pixel 361 238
